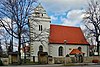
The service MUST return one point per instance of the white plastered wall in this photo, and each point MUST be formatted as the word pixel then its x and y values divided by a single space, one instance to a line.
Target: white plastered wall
pixel 54 49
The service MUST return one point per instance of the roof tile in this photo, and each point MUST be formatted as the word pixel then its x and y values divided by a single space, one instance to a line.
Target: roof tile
pixel 73 35
pixel 75 51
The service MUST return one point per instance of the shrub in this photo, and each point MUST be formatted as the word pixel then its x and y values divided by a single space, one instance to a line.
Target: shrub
pixel 73 59
pixel 95 61
pixel 67 55
pixel 1 64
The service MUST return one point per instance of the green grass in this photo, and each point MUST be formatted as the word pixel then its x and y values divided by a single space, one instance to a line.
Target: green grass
pixel 74 64
pixel 30 63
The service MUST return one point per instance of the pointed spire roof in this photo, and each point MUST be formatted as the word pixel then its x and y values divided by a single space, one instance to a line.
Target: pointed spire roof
pixel 39 6
pixel 40 14
pixel 40 9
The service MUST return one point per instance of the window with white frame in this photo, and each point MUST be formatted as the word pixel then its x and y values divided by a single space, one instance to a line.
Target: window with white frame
pixel 60 51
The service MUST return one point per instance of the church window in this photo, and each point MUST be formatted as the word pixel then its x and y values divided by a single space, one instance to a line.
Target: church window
pixel 41 48
pixel 40 27
pixel 60 51
pixel 37 14
pixel 42 15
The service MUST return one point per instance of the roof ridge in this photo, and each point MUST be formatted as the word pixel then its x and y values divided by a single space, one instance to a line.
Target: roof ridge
pixel 64 26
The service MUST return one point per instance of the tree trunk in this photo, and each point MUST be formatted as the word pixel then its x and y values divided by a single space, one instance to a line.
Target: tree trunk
pixel 97 40
pixel 19 43
pixel 98 48
pixel 24 56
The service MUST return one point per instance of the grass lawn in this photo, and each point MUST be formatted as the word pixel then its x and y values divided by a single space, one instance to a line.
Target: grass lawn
pixel 75 64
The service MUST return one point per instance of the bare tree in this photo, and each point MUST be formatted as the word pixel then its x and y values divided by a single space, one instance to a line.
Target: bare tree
pixel 92 20
pixel 4 36
pixel 17 11
pixel 0 49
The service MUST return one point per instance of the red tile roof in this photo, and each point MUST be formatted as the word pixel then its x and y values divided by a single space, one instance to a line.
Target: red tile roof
pixel 72 35
pixel 75 51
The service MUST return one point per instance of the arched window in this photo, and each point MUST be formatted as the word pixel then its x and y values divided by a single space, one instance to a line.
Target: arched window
pixel 41 48
pixel 60 51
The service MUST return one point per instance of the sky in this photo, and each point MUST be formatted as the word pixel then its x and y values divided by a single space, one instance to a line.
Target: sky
pixel 65 12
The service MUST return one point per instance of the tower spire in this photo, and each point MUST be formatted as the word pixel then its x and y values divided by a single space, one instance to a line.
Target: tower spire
pixel 39 3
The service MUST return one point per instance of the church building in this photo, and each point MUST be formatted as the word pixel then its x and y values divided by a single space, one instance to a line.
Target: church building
pixel 56 40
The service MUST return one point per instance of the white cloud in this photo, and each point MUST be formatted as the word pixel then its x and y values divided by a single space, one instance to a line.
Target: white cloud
pixel 53 18
pixel 67 22
pixel 75 15
pixel 63 5
pixel 73 18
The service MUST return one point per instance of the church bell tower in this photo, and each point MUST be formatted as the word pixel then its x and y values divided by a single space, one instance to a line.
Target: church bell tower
pixel 39 23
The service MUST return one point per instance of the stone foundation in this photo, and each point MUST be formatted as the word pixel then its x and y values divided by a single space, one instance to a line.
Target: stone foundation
pixel 89 59
pixel 61 60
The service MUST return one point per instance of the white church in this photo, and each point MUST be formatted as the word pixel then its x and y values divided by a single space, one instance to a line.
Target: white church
pixel 56 40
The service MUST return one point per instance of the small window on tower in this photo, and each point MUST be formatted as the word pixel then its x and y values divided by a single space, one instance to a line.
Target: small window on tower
pixel 42 15
pixel 37 14
pixel 40 28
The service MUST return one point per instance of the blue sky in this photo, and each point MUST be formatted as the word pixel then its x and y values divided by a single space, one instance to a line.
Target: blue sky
pixel 65 12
